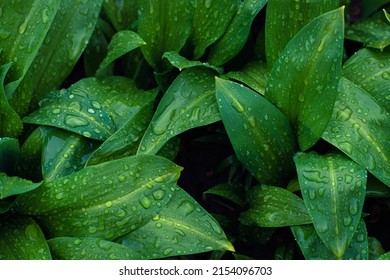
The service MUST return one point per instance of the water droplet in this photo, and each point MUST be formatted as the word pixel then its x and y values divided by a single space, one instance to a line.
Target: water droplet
pixel 354 206
pixel 322 227
pixel 59 195
pixel 32 233
pixel 347 221
pixel 108 204
pixel 145 202
pixel 159 225
pixel 74 121
pixel 186 207
pixel 158 194
pixel 252 121
pixel 77 241
pixel 207 4
pixel 237 105
pixel 91 111
pixel 92 229
pixel 87 134
pixel 45 16
pixel 56 111
pixel 121 178
pixel 321 46
pixel 312 194
pixel 346 147
pixel 386 75
pixel 22 27
pixel 96 105
pixel 158 130
pixel 167 251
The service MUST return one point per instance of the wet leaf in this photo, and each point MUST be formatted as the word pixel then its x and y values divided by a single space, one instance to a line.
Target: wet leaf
pixel 10 186
pixel 285 18
pixel 159 27
pixel 370 69
pixel 360 128
pixel 259 132
pixel 211 19
pixel 106 200
pixel 9 153
pixel 237 32
pixel 303 81
pixel 21 238
pixel 87 248
pixel 182 227
pixel 370 6
pixel 333 189
pixel 122 14
pixel 181 62
pixel 375 248
pixel 387 15
pixel 120 44
pixel 274 207
pixel 229 191
pixel 189 102
pixel 385 256
pixel 313 248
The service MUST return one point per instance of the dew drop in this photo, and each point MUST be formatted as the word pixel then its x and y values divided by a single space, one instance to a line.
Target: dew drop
pixel 386 75
pixel 108 204
pixel 121 178
pixel 322 227
pixel 145 202
pixel 23 27
pixel 347 221
pixel 87 134
pixel 158 194
pixel 96 105
pixel 353 206
pixel 31 232
pixel 56 111
pixel 167 251
pixel 237 106
pixel 74 121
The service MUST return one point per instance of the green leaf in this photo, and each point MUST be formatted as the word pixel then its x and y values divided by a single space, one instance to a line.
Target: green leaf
pixel 189 102
pixel 259 132
pixel 159 27
pixel 385 256
pixel 303 81
pixel 87 248
pixel 375 248
pixel 122 14
pixel 285 18
pixel 360 128
pixel 182 227
pixel 63 153
pixel 387 15
pixel 22 32
pixel 9 153
pixel 211 19
pixel 106 200
pixel 21 238
pixel 10 123
pixel 373 32
pixel 274 207
pixel 121 43
pixel 370 6
pixel 180 62
pixel 370 69
pixel 254 75
pixel 229 191
pixel 313 248
pixel 233 40
pixel 333 189
pixel 14 185
pixel 66 40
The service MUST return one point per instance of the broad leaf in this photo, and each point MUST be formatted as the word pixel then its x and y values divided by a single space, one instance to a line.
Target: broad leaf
pixel 370 69
pixel 182 227
pixel 387 15
pixel 120 44
pixel 159 27
pixel 181 62
pixel 229 191
pixel 233 40
pixel 385 256
pixel 259 132
pixel 286 17
pixel 9 153
pixel 189 102
pixel 106 200
pixel 211 19
pixel 375 248
pixel 333 189
pixel 303 81
pixel 21 238
pixel 10 186
pixel 274 207
pixel 360 128
pixel 370 6
pixel 122 14
pixel 88 248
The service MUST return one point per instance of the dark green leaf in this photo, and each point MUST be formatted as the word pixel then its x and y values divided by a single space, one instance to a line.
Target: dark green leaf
pixel 259 132
pixel 189 102
pixel 375 248
pixel 370 69
pixel 303 81
pixel 181 62
pixel 120 44
pixel 387 15
pixel 360 128
pixel 87 248
pixel 14 185
pixel 232 192
pixel 233 40
pixel 122 14
pixel 21 238
pixel 182 227
pixel 385 256
pixel 105 200
pixel 370 6
pixel 274 207
pixel 333 189
pixel 9 153
pixel 171 149
pixel 159 27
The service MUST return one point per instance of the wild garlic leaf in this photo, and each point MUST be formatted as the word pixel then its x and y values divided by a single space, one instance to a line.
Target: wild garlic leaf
pixel 88 248
pixel 189 102
pixel 21 238
pixel 360 128
pixel 10 186
pixel 237 32
pixel 159 27
pixel 303 80
pixel 260 134
pixel 274 207
pixel 121 43
pixel 333 189
pixel 180 62
pixel 9 153
pixel 182 227
pixel 106 200
pixel 211 19
pixel 285 18
pixel 370 69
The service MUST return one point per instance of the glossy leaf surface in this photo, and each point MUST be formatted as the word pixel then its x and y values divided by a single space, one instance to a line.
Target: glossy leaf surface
pixel 21 238
pixel 189 102
pixel 14 185
pixel 9 153
pixel 237 32
pixel 274 207
pixel 181 62
pixel 106 200
pixel 385 256
pixel 360 128
pixel 333 189
pixel 260 134
pixel 303 81
pixel 88 248
pixel 229 191
pixel 182 227
pixel 122 14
